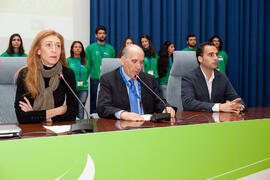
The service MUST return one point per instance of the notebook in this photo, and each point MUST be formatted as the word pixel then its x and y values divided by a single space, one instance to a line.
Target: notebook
pixel 9 130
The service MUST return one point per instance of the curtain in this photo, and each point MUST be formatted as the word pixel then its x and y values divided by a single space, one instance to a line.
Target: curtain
pixel 242 25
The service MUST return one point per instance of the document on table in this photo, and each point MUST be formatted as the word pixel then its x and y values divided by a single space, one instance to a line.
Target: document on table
pixel 59 129
pixel 147 117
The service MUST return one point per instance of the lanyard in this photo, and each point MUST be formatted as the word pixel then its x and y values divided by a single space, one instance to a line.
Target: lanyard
pixel 132 90
pixel 99 49
pixel 170 61
pixel 149 60
pixel 79 67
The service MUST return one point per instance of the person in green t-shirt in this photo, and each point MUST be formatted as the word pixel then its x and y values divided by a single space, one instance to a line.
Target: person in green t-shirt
pixel 191 42
pixel 127 41
pixel 164 65
pixel 150 57
pixel 15 47
pixel 94 54
pixel 222 55
pixel 77 62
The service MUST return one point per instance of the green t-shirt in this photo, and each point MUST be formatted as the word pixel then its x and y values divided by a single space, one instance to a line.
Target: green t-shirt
pixel 5 54
pixel 94 56
pixel 150 66
pixel 222 61
pixel 164 80
pixel 81 81
pixel 188 49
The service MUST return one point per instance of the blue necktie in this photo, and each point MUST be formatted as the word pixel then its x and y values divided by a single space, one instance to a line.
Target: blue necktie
pixel 132 98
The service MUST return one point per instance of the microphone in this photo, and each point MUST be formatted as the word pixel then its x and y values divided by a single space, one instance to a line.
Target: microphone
pixel 80 127
pixel 156 117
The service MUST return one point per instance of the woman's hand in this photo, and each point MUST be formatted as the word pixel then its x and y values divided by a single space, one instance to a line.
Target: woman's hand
pixel 25 106
pixel 50 113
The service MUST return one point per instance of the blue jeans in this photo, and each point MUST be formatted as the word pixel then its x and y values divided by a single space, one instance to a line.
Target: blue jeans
pixel 82 95
pixel 163 89
pixel 93 95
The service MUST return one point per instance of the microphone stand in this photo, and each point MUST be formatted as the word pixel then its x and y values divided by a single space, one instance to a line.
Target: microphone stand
pixel 79 127
pixel 156 117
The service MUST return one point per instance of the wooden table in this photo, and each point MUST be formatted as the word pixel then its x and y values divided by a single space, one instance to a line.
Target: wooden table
pixel 183 118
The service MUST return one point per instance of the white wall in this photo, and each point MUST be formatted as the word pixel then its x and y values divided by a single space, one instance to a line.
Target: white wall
pixel 71 18
pixel 81 21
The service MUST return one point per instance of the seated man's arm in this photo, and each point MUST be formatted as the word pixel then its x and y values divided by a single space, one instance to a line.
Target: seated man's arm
pixel 159 106
pixel 124 115
pixel 105 106
pixel 189 101
pixel 231 95
pixel 232 106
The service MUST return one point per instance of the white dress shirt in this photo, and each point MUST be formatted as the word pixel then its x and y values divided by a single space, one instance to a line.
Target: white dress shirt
pixel 209 84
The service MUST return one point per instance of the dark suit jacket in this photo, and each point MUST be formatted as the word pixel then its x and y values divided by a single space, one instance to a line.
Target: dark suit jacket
pixel 195 96
pixel 113 95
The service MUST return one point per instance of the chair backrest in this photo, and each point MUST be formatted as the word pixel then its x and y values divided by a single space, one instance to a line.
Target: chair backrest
pixel 8 67
pixel 183 62
pixel 109 64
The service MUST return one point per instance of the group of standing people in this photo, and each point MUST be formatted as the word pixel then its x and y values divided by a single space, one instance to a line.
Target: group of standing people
pixel 46 59
pixel 216 40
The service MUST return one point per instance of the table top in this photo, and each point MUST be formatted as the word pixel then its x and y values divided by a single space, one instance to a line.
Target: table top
pixel 182 118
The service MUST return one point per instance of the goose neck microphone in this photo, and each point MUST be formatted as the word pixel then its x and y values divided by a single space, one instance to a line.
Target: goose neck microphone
pixel 78 127
pixel 156 117
pixel 61 76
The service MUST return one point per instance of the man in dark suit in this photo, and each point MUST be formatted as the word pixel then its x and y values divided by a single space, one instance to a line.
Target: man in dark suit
pixel 207 89
pixel 122 96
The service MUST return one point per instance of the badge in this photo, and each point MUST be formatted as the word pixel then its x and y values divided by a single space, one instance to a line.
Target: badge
pixel 80 83
pixel 151 72
pixel 220 58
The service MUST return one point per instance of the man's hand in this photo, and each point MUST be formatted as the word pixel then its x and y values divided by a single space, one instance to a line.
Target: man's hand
pixel 131 116
pixel 232 106
pixel 169 110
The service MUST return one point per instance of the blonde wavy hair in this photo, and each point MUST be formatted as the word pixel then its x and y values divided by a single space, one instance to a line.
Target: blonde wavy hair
pixel 32 75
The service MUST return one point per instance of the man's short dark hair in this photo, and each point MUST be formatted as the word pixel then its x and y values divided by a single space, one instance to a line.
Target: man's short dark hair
pixel 200 49
pixel 100 28
pixel 190 35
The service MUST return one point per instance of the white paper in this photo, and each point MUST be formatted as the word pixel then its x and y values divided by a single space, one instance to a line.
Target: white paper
pixel 59 129
pixel 147 117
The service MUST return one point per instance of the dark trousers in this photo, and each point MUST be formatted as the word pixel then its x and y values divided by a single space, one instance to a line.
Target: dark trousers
pixel 93 95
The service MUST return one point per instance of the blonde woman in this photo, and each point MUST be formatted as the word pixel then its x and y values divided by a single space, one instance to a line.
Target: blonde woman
pixel 41 94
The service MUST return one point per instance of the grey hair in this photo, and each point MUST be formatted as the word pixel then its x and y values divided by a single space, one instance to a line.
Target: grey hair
pixel 125 51
pixel 127 48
